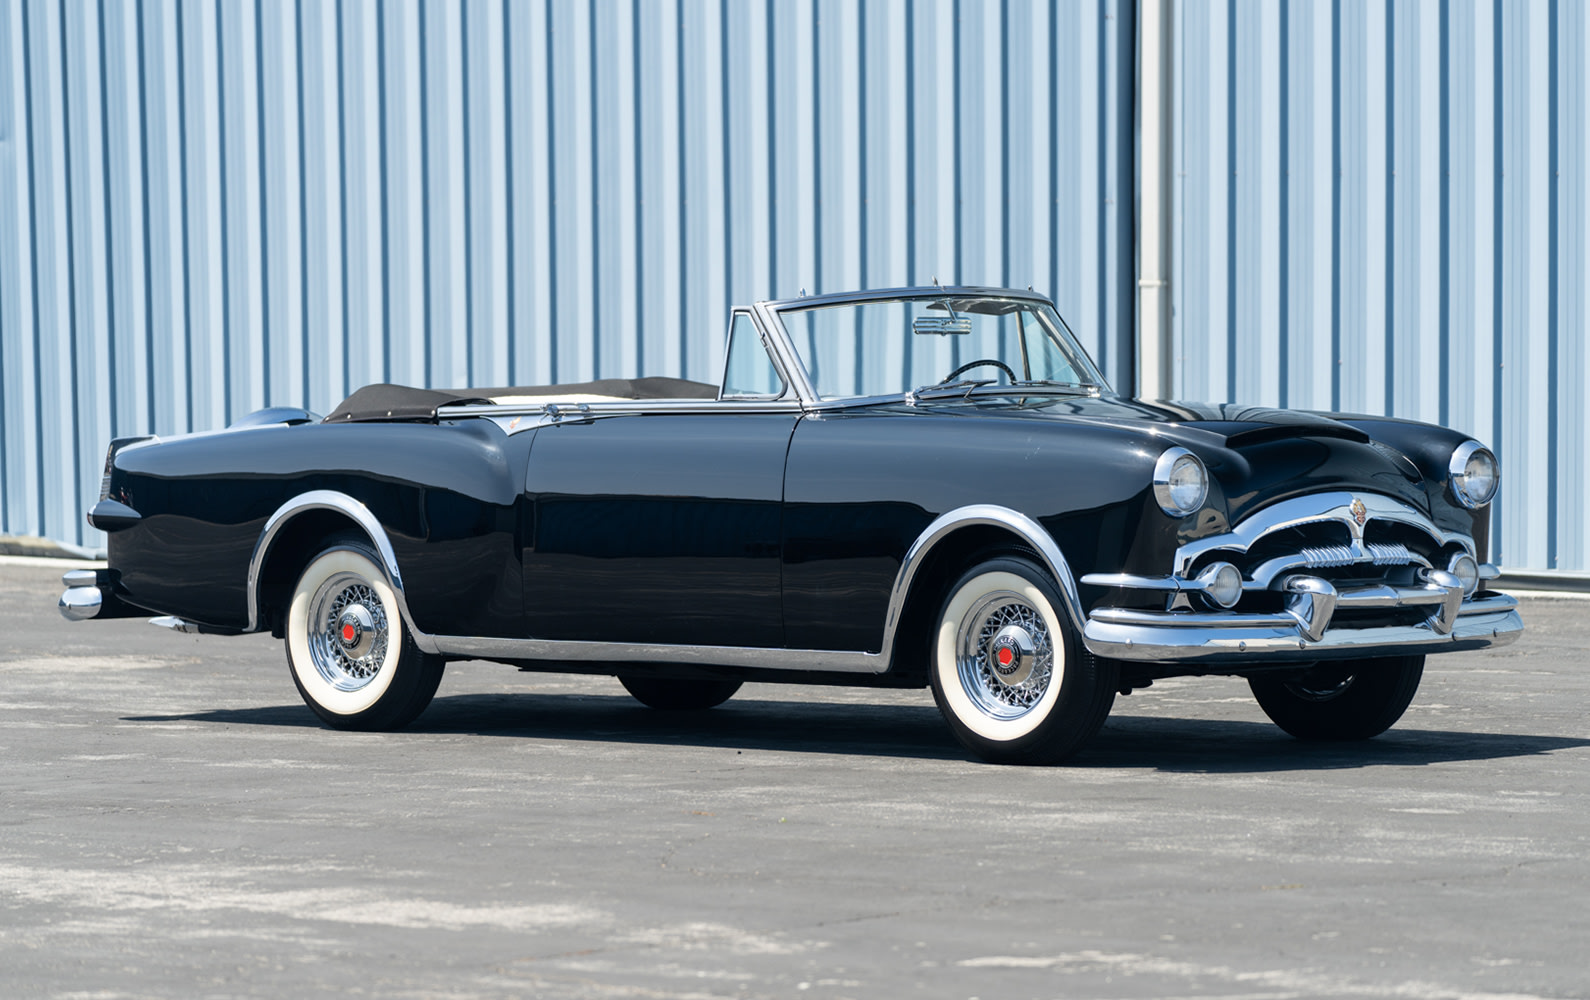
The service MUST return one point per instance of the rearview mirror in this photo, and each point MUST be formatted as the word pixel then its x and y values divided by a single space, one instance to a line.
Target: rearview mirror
pixel 940 325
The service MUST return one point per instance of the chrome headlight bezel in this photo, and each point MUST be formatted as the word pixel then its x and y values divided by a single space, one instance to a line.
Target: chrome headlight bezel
pixel 1171 484
pixel 1464 488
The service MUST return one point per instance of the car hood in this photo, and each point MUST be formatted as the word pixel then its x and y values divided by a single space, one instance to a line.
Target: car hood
pixel 1259 455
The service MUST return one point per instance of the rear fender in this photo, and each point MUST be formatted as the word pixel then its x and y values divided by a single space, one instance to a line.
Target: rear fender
pixel 360 515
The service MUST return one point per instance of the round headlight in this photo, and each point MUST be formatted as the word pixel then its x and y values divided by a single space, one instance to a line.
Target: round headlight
pixel 1222 584
pixel 1180 482
pixel 1475 474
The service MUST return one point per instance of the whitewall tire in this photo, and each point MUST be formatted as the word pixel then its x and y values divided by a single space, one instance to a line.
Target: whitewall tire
pixel 1010 677
pixel 350 653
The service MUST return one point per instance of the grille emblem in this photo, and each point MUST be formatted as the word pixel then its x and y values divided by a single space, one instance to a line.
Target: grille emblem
pixel 1360 512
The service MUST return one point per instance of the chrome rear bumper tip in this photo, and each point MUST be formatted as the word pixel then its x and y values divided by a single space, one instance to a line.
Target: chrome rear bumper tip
pixel 81 603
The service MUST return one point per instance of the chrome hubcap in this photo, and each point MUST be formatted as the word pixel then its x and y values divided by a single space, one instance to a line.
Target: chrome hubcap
pixel 1005 655
pixel 348 632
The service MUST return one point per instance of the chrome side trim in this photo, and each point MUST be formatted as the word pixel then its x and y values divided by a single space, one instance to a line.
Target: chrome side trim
pixel 586 651
pixel 175 624
pixel 834 661
pixel 625 407
pixel 360 514
pixel 1132 581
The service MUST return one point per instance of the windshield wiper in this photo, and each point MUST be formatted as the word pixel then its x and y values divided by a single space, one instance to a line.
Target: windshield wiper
pixel 993 387
pixel 962 388
pixel 1044 383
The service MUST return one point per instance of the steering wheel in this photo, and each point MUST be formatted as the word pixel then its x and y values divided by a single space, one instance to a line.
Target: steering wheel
pixel 974 364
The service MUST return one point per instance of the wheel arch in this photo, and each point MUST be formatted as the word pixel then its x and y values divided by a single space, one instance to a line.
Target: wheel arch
pixel 295 532
pixel 949 545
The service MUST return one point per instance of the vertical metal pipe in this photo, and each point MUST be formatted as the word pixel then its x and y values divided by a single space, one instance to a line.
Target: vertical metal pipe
pixel 1154 146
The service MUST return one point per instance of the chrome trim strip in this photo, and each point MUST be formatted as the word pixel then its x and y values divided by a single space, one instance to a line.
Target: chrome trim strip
pixel 835 661
pixel 553 408
pixel 1131 581
pixel 175 624
pixel 1316 508
pixel 912 291
pixel 360 514
pixel 1486 622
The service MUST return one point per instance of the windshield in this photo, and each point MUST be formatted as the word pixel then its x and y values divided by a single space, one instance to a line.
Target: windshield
pixel 895 346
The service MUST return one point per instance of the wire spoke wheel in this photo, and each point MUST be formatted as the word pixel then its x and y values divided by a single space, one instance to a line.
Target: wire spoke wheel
pixel 349 651
pixel 1007 671
pixel 350 644
pixel 1007 689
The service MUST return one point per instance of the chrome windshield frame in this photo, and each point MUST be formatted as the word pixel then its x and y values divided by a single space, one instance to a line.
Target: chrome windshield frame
pixel 785 354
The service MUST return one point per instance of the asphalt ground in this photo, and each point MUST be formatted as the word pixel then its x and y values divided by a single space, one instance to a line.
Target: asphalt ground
pixel 175 823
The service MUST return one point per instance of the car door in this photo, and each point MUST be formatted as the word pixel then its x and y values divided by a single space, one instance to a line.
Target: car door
pixel 662 522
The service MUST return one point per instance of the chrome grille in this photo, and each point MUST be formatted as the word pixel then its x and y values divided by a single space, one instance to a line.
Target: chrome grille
pixel 1327 556
pixel 1328 531
pixel 1390 555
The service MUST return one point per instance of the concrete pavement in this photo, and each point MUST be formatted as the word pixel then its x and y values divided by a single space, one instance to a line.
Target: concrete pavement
pixel 175 823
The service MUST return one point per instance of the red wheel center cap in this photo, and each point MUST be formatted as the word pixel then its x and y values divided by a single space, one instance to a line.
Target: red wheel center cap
pixel 349 633
pixel 1005 656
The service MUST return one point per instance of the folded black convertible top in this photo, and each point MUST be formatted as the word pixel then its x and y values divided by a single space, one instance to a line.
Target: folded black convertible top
pixel 386 401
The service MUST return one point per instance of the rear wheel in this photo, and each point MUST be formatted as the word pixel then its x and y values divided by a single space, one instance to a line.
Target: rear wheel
pixel 679 695
pixel 1009 675
pixel 1346 700
pixel 350 653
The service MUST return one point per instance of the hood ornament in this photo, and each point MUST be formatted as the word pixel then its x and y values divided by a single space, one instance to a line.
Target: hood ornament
pixel 1360 512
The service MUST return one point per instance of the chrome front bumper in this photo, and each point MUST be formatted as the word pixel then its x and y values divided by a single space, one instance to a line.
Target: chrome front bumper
pixel 1303 632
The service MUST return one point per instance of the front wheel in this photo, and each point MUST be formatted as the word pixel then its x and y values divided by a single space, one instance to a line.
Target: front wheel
pixel 1007 671
pixel 1347 700
pixel 350 653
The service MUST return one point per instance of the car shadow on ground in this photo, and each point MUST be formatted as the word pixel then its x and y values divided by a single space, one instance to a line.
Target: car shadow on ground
pixel 1133 742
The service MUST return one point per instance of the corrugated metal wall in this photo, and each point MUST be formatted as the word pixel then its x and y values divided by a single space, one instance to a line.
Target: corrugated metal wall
pixel 209 207
pixel 1381 207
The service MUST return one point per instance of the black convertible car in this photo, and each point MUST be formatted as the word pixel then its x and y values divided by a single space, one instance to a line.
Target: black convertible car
pixel 927 486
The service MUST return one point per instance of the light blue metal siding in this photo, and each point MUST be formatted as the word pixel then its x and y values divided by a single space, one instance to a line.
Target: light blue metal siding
pixel 1382 208
pixel 211 206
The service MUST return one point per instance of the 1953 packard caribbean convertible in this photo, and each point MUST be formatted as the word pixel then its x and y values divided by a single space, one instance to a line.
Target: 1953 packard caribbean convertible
pixel 921 487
